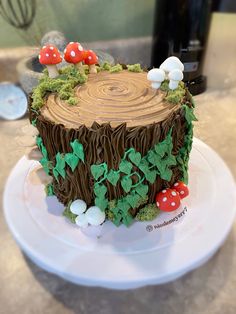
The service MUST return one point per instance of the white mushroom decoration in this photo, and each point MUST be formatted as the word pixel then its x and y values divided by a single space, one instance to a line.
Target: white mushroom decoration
pixel 93 216
pixel 156 76
pixel 172 68
pixel 170 64
pixel 175 77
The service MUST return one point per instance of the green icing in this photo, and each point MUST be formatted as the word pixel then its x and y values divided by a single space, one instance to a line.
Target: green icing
pixel 158 161
pixel 106 66
pixel 183 155
pixel 68 214
pixel 49 189
pixel 173 96
pixel 148 212
pixel 134 67
pixel 70 159
pixel 64 85
pixel 33 122
pixel 116 68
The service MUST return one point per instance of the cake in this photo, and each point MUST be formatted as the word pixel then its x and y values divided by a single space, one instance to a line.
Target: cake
pixel 112 137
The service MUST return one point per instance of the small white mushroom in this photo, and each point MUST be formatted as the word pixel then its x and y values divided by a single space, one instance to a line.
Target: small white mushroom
pixel 95 216
pixel 156 76
pixel 172 63
pixel 81 221
pixel 175 77
pixel 78 207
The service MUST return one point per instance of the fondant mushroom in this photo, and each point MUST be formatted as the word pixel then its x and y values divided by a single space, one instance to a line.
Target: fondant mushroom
pixel 74 53
pixel 181 188
pixel 95 216
pixel 50 56
pixel 91 60
pixel 175 77
pixel 172 63
pixel 156 76
pixel 81 221
pixel 168 200
pixel 78 207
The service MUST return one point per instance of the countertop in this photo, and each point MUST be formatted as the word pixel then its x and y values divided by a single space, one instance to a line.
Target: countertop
pixel 25 288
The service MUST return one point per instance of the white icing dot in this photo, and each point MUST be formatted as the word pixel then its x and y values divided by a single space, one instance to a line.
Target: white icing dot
pixel 163 191
pixel 44 47
pixel 158 204
pixel 164 199
pixel 51 48
pixel 47 55
pixel 173 193
pixel 184 184
pixel 181 192
pixel 80 48
pixel 172 204
pixel 72 53
pixel 65 50
pixel 90 50
pixel 54 55
pixel 39 56
pixel 89 57
pixel 71 42
pixel 176 184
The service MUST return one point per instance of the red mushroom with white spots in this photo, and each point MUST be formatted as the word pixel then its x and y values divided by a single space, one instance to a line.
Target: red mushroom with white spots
pixel 50 56
pixel 74 53
pixel 168 200
pixel 91 60
pixel 181 188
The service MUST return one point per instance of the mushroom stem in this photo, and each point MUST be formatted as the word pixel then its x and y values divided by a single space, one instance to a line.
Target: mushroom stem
pixel 92 68
pixel 52 70
pixel 173 84
pixel 80 67
pixel 156 85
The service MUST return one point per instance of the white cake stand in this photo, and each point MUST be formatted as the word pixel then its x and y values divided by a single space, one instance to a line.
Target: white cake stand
pixel 124 258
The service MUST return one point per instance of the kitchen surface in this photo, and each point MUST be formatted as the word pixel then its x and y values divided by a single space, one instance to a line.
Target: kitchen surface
pixel 209 289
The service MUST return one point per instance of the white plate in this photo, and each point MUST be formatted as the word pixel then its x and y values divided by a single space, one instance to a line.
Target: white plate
pixel 123 258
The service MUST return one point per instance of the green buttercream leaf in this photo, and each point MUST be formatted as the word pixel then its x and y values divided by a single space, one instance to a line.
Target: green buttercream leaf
pixel 153 158
pixel 45 164
pixel 113 177
pixel 127 220
pixel 144 166
pixel 72 160
pixel 135 157
pixel 189 115
pixel 123 205
pixel 100 190
pixel 55 173
pixel 133 199
pixel 126 183
pixel 117 219
pixel 142 190
pixel 49 189
pixel 125 167
pixel 78 149
pixel 34 122
pixel 97 171
pixel 60 165
pixel 101 203
pixel 151 176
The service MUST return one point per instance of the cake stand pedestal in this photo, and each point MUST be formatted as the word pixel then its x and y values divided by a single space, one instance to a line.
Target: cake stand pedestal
pixel 146 253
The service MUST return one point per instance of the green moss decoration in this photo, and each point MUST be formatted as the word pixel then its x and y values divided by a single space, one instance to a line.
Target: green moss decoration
pixel 116 68
pixel 68 214
pixel 64 85
pixel 173 96
pixel 147 213
pixel 134 68
pixel 106 66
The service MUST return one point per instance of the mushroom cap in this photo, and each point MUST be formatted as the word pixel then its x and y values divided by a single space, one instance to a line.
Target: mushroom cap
pixel 168 200
pixel 49 55
pixel 181 188
pixel 156 75
pixel 91 57
pixel 172 63
pixel 78 207
pixel 176 75
pixel 74 53
pixel 95 216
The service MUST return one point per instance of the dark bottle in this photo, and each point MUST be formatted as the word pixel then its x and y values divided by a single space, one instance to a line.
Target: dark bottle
pixel 181 29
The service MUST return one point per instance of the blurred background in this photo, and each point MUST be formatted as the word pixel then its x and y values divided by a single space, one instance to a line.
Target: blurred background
pixel 202 34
